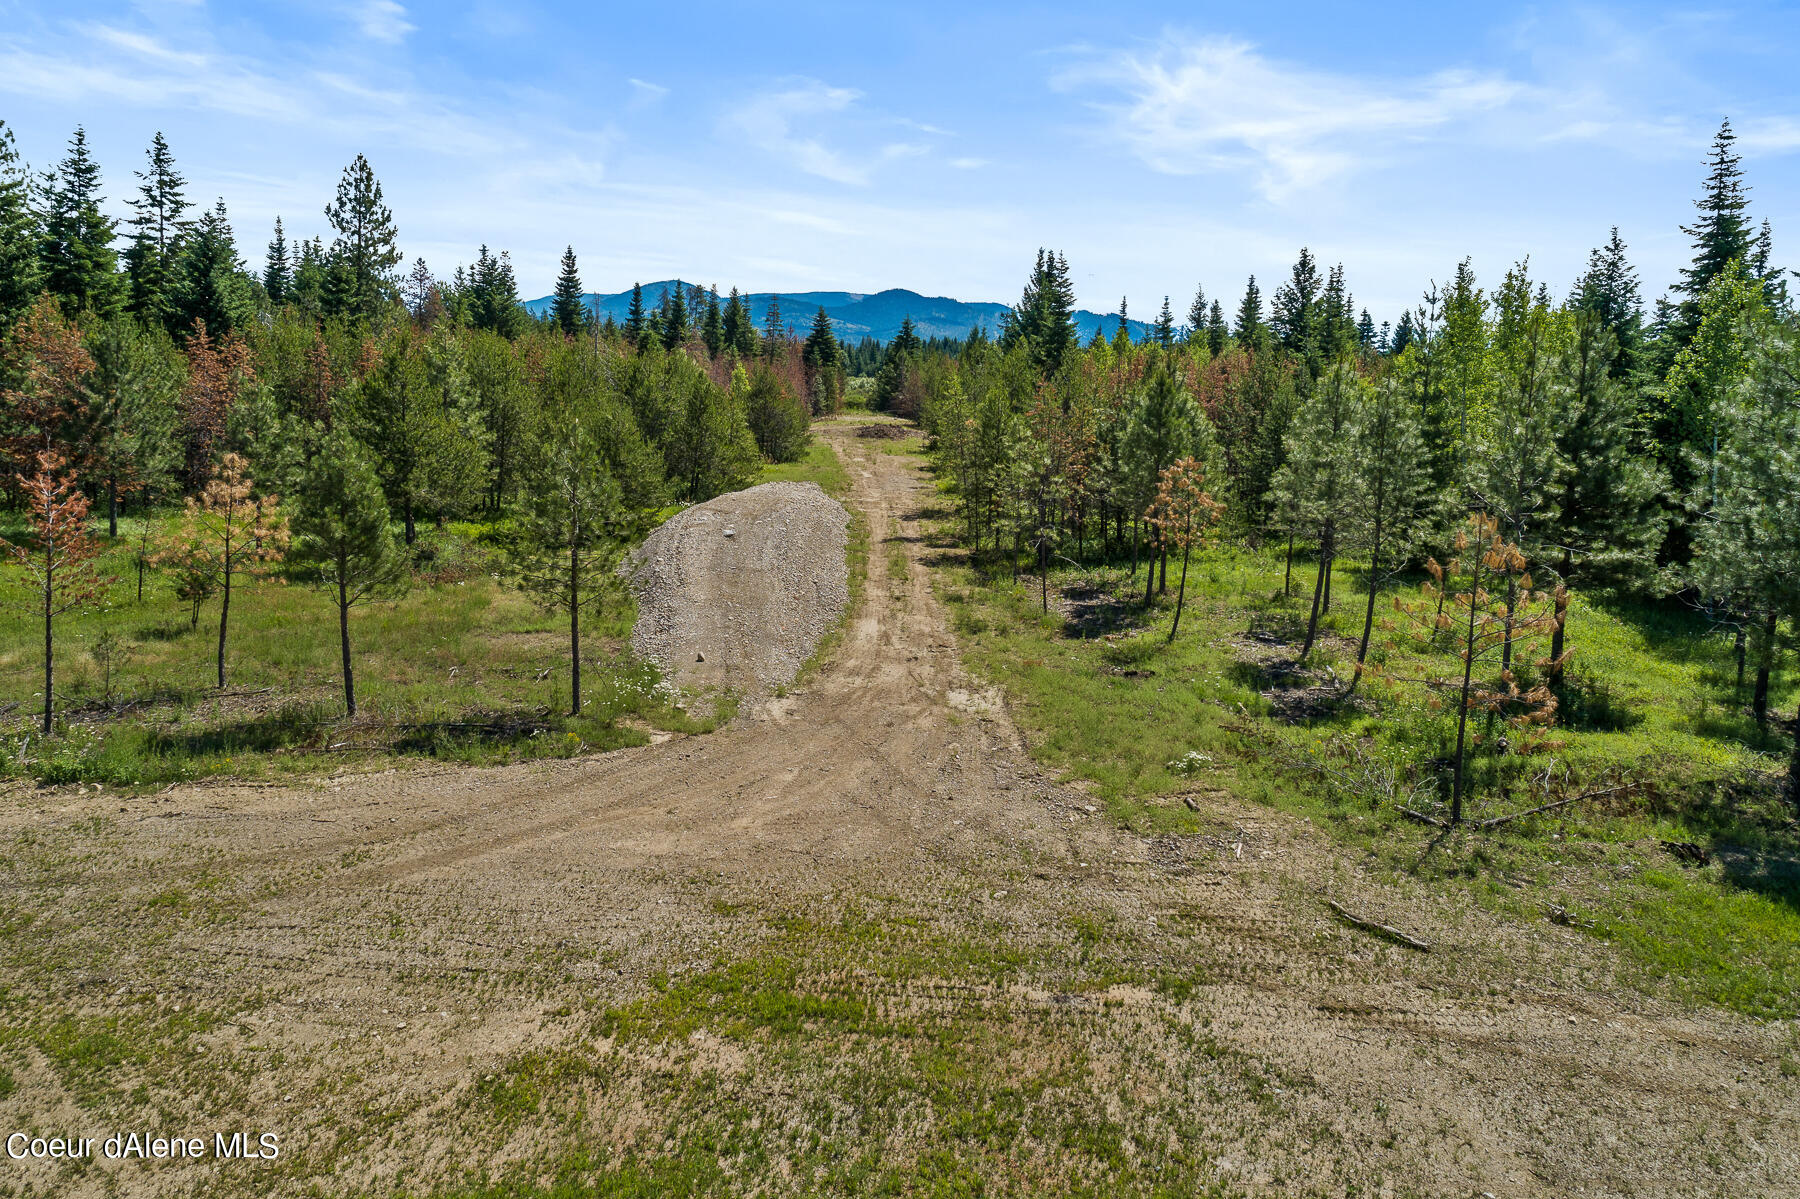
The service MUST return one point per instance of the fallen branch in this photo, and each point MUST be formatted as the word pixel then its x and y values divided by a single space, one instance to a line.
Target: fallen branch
pixel 1383 930
pixel 1422 818
pixel 1495 821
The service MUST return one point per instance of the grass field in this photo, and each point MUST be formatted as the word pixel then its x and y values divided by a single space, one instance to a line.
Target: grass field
pixel 463 667
pixel 1107 698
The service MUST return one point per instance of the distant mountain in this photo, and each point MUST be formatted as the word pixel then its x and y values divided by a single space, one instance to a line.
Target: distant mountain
pixel 856 315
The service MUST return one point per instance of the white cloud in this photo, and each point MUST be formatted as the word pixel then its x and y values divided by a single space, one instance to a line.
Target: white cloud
pixel 382 20
pixel 1190 105
pixel 786 123
pixel 1770 135
pixel 644 94
pixel 968 164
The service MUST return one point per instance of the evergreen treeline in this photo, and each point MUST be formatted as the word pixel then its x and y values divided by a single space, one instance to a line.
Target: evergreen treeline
pixel 1610 447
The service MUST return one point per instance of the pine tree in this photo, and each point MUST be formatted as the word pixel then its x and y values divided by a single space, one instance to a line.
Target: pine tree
pixel 1720 236
pixel 571 528
pixel 635 320
pixel 1250 330
pixel 136 396
pixel 777 420
pixel 1367 343
pixel 738 329
pixel 1295 312
pixel 1044 321
pixel 1747 544
pixel 712 325
pixel 1391 501
pixel 20 273
pixel 342 539
pixel 46 394
pixel 1162 426
pixel 152 261
pixel 675 328
pixel 823 360
pixel 1609 289
pixel 1316 485
pixel 569 309
pixel 419 290
pixel 1165 326
pixel 278 271
pixel 1121 339
pixel 774 338
pixel 1516 460
pixel 209 286
pixel 1198 315
pixel 364 253
pixel 1217 332
pixel 80 267
pixel 1609 517
pixel 59 558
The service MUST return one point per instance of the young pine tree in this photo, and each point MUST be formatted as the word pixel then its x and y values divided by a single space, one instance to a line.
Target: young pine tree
pixel 1747 542
pixel 570 528
pixel 1317 485
pixel 228 532
pixel 342 538
pixel 58 558
pixel 1392 500
pixel 364 254
pixel 1181 513
pixel 278 268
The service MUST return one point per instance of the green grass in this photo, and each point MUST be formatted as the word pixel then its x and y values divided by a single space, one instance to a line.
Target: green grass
pixel 819 465
pixel 1108 699
pixel 461 667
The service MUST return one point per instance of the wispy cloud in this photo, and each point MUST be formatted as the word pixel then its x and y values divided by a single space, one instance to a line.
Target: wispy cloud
pixel 1186 105
pixel 782 123
pixel 382 20
pixel 645 94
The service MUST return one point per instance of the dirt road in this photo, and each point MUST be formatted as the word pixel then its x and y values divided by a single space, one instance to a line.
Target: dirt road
pixel 855 933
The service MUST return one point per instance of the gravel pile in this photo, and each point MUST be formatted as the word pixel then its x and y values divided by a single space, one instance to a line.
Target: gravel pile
pixel 735 593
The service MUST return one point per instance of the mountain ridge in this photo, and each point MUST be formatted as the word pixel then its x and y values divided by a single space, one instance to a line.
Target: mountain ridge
pixel 855 315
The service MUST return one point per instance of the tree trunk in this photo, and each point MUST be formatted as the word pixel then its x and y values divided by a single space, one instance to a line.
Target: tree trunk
pixel 1162 588
pixel 49 647
pixel 406 510
pixel 112 507
pixel 1328 548
pixel 1462 710
pixel 1562 620
pixel 1044 572
pixel 1759 702
pixel 1312 624
pixel 1287 579
pixel 1362 650
pixel 1741 639
pixel 1794 766
pixel 344 635
pixel 574 628
pixel 1180 592
pixel 224 614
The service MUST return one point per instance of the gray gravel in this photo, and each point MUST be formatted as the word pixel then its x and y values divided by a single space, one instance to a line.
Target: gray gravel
pixel 734 594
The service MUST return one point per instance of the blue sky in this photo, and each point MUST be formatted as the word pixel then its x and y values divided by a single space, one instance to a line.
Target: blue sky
pixel 936 146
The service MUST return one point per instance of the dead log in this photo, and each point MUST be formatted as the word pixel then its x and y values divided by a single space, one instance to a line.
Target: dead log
pixel 1382 930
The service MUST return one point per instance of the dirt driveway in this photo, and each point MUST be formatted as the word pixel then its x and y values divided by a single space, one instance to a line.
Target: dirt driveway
pixel 854 938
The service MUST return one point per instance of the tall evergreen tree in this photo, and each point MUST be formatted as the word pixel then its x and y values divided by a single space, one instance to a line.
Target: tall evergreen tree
pixel 1217 332
pixel 712 325
pixel 774 331
pixel 80 267
pixel 1609 289
pixel 1165 326
pixel 1198 315
pixel 675 327
pixel 1295 311
pixel 1250 330
pixel 278 270
pixel 635 319
pixel 1391 501
pixel 823 360
pixel 738 328
pixel 152 259
pixel 1722 233
pixel 19 270
pixel 1317 485
pixel 1044 320
pixel 569 309
pixel 364 253
pixel 210 286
